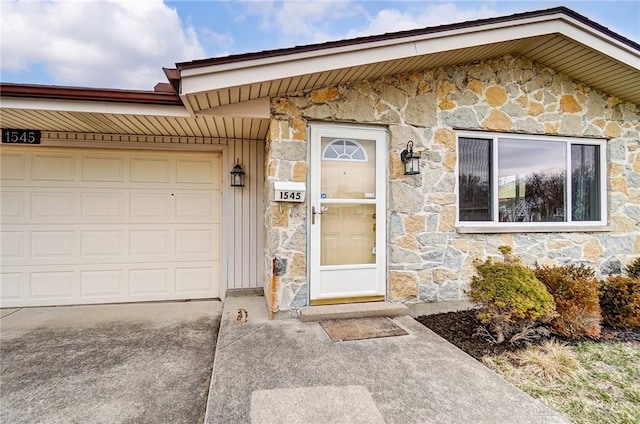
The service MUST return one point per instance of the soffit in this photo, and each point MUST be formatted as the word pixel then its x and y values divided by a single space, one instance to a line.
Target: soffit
pixel 586 54
pixel 134 124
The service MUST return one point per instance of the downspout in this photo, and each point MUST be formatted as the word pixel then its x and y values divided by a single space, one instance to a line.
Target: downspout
pixel 272 295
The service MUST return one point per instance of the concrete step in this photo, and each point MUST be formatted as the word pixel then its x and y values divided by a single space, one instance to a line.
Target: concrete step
pixel 352 310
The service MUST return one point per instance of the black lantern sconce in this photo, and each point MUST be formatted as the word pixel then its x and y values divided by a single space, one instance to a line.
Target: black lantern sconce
pixel 237 175
pixel 411 160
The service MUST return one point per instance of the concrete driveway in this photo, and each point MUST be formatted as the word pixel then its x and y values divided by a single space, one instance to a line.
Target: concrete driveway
pixel 143 363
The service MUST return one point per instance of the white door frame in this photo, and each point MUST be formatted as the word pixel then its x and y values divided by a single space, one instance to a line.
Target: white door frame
pixel 326 281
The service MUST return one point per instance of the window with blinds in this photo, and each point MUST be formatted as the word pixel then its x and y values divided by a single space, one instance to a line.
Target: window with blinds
pixel 510 179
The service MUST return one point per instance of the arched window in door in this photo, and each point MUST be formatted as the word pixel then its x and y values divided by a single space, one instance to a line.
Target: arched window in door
pixel 345 150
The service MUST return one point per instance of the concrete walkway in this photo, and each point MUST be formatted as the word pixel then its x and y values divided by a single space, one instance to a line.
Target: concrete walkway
pixel 286 371
pixel 131 363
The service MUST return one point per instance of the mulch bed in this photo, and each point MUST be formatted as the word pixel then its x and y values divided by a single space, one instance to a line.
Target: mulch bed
pixel 464 330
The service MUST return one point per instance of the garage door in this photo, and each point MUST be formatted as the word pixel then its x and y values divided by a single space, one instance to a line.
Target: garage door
pixel 97 226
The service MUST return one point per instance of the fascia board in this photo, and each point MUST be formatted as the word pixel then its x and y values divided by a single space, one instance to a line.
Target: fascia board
pixel 293 57
pixel 110 108
pixel 187 104
pixel 267 69
pixel 582 28
pixel 256 73
pixel 608 46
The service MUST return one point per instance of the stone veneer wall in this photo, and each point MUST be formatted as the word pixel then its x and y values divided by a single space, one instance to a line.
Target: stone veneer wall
pixel 285 285
pixel 428 260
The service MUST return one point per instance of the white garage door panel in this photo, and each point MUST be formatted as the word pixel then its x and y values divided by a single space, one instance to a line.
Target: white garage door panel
pixel 101 205
pixel 12 244
pixel 12 167
pixel 148 170
pixel 108 243
pixel 55 205
pixel 12 285
pixel 95 226
pixel 45 244
pixel 102 168
pixel 12 204
pixel 53 167
pixel 100 243
pixel 52 285
pixel 102 283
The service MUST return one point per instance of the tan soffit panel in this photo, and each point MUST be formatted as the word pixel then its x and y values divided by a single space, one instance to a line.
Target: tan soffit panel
pixel 77 122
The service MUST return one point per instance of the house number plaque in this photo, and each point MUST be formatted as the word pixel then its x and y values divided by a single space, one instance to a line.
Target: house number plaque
pixel 290 196
pixel 286 191
pixel 16 136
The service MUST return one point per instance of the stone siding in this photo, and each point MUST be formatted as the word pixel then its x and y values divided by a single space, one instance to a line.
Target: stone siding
pixel 427 259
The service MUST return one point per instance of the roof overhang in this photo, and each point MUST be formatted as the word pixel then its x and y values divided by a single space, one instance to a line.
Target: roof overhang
pixel 558 38
pixel 95 106
pixel 229 97
pixel 54 109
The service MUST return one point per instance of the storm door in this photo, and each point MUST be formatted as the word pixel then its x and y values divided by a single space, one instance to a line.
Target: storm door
pixel 347 216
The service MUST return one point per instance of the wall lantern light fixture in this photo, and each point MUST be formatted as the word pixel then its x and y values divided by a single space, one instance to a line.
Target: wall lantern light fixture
pixel 237 175
pixel 411 160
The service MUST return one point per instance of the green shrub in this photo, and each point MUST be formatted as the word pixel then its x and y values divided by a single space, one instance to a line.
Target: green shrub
pixel 620 302
pixel 575 291
pixel 512 298
pixel 633 269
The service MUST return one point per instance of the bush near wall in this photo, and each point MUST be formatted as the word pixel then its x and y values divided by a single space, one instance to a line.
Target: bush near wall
pixel 620 302
pixel 633 269
pixel 575 291
pixel 512 298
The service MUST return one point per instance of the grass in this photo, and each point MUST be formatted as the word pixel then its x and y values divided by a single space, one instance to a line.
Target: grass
pixel 588 383
pixel 550 361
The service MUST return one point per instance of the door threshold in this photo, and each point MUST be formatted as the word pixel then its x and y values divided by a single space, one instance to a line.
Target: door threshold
pixel 343 300
pixel 352 310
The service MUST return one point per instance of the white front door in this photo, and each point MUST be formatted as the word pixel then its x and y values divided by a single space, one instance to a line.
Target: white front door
pixel 348 209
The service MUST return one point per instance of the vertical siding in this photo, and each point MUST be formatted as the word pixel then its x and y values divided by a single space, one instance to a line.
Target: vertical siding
pixel 245 218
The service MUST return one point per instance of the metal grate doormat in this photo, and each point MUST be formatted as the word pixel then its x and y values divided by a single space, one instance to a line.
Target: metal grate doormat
pixel 340 330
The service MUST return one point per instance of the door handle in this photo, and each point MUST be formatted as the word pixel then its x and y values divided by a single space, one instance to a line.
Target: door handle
pixel 323 209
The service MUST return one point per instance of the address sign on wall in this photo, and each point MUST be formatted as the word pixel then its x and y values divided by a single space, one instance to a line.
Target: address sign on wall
pixel 287 191
pixel 17 136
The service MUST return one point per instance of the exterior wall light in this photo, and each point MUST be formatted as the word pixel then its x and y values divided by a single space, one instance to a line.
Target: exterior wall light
pixel 237 175
pixel 411 160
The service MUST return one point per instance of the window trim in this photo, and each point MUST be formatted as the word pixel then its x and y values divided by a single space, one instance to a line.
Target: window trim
pixel 569 225
pixel 356 142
